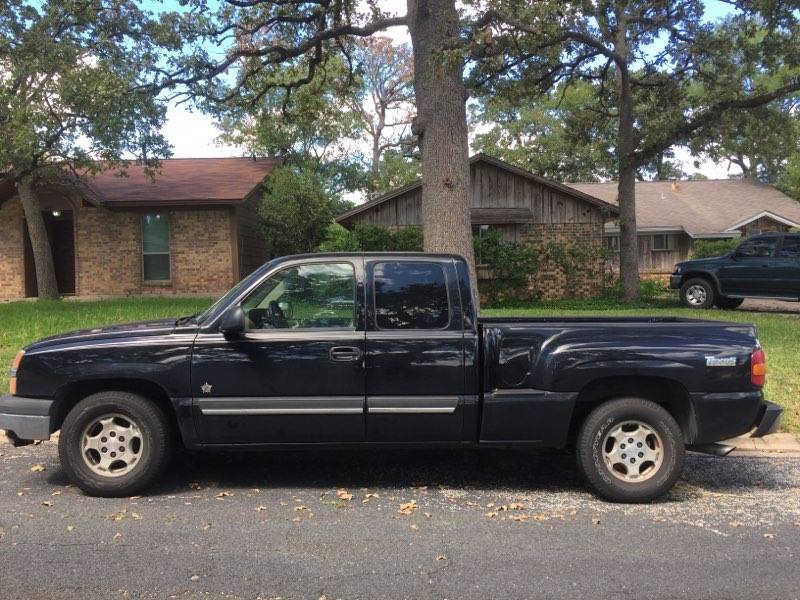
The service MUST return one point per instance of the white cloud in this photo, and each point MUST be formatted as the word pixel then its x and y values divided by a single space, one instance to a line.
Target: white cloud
pixel 194 135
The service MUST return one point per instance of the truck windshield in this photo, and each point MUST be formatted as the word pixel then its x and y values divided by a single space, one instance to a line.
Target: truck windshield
pixel 232 293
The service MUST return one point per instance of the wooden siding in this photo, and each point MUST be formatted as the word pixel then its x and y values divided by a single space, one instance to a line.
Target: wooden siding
pixel 659 261
pixel 762 225
pixel 491 188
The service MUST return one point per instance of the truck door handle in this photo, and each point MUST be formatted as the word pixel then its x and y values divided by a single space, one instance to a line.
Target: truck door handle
pixel 345 353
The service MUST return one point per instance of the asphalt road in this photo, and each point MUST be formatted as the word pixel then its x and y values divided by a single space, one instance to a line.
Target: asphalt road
pixel 482 525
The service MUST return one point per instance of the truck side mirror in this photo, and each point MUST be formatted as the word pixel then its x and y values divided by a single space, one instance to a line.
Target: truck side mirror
pixel 232 324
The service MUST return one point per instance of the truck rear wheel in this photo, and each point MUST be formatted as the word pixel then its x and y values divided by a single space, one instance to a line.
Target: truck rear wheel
pixel 114 443
pixel 630 450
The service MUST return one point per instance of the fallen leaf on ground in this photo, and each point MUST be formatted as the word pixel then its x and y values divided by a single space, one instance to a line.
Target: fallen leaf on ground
pixel 224 494
pixel 441 557
pixel 414 527
pixel 427 515
pixel 596 520
pixel 658 519
pixel 735 524
pixel 56 493
pixel 47 504
pixel 408 507
pixel 260 508
pixel 70 528
pixel 516 506
pixel 206 526
pixel 194 578
pixel 38 468
pixel 368 497
pixel 344 495
pixel 491 514
pixel 117 536
pixel 769 536
pixel 136 516
pixel 297 519
pixel 299 508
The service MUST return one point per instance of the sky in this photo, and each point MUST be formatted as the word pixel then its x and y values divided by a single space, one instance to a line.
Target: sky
pixel 194 135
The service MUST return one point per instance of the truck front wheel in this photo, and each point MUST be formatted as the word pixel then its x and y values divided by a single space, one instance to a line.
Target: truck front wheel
pixel 114 443
pixel 630 450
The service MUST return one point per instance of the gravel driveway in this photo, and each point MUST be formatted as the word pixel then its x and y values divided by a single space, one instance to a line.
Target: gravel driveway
pixel 398 524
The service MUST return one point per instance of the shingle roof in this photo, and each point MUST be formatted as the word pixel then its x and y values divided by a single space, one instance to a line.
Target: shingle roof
pixel 182 181
pixel 701 207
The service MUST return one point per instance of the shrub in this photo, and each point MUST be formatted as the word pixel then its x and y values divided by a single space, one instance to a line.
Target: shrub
pixel 708 248
pixel 371 238
pixel 511 265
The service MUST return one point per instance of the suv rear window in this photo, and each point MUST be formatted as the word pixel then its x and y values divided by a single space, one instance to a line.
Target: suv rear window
pixel 790 247
pixel 410 295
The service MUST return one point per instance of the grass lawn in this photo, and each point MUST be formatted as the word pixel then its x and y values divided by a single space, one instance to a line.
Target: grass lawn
pixel 23 322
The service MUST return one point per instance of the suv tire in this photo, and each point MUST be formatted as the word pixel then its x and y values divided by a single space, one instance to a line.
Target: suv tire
pixel 698 293
pixel 115 443
pixel 630 450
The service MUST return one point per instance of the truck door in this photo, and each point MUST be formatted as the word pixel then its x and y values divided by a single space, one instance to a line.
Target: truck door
pixel 415 351
pixel 750 270
pixel 296 374
pixel 787 268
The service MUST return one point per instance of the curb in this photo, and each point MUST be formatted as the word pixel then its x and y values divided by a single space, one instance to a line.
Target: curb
pixel 774 442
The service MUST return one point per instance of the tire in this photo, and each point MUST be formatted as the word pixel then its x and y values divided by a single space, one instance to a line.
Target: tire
pixel 698 293
pixel 613 482
pixel 729 303
pixel 103 419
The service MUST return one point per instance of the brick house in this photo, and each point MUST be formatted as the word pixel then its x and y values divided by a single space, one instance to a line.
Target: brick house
pixel 672 215
pixel 191 231
pixel 525 208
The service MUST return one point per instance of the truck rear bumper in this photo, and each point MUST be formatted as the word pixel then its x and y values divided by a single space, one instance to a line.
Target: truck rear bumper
pixel 25 419
pixel 722 416
pixel 768 420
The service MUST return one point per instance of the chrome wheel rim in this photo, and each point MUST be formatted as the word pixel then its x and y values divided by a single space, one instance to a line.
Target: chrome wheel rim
pixel 633 452
pixel 696 295
pixel 112 445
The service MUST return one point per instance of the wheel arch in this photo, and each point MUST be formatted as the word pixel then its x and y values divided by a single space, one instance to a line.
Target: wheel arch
pixel 664 391
pixel 711 277
pixel 71 394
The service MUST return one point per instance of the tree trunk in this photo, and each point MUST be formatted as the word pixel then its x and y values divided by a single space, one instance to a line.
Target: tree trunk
pixel 628 242
pixel 441 125
pixel 42 253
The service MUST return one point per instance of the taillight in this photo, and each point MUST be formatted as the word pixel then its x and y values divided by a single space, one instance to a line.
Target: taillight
pixel 758 367
pixel 12 382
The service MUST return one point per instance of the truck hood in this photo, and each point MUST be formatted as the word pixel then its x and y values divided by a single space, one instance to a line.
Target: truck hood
pixel 136 329
pixel 701 263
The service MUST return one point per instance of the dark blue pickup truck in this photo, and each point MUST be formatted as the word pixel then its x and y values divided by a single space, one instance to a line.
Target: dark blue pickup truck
pixel 387 349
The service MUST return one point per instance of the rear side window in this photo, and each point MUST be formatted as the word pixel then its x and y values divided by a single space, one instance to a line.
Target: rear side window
pixel 757 247
pixel 790 247
pixel 410 295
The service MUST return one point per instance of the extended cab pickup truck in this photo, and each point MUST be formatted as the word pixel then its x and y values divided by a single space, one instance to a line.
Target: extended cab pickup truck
pixel 387 349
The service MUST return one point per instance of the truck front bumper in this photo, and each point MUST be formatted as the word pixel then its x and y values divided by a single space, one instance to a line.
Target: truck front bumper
pixel 25 419
pixel 675 282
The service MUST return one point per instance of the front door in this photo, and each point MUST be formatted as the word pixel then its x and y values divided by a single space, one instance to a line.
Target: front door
pixel 60 233
pixel 415 352
pixel 297 373
pixel 750 270
pixel 787 268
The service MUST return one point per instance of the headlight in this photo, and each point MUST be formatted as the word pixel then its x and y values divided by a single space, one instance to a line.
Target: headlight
pixel 677 269
pixel 12 382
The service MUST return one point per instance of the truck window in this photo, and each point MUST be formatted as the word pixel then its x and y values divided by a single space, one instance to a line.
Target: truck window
pixel 410 295
pixel 304 297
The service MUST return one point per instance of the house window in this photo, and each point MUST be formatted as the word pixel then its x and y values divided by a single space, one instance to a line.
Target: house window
pixel 478 231
pixel 155 247
pixel 611 242
pixel 662 242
